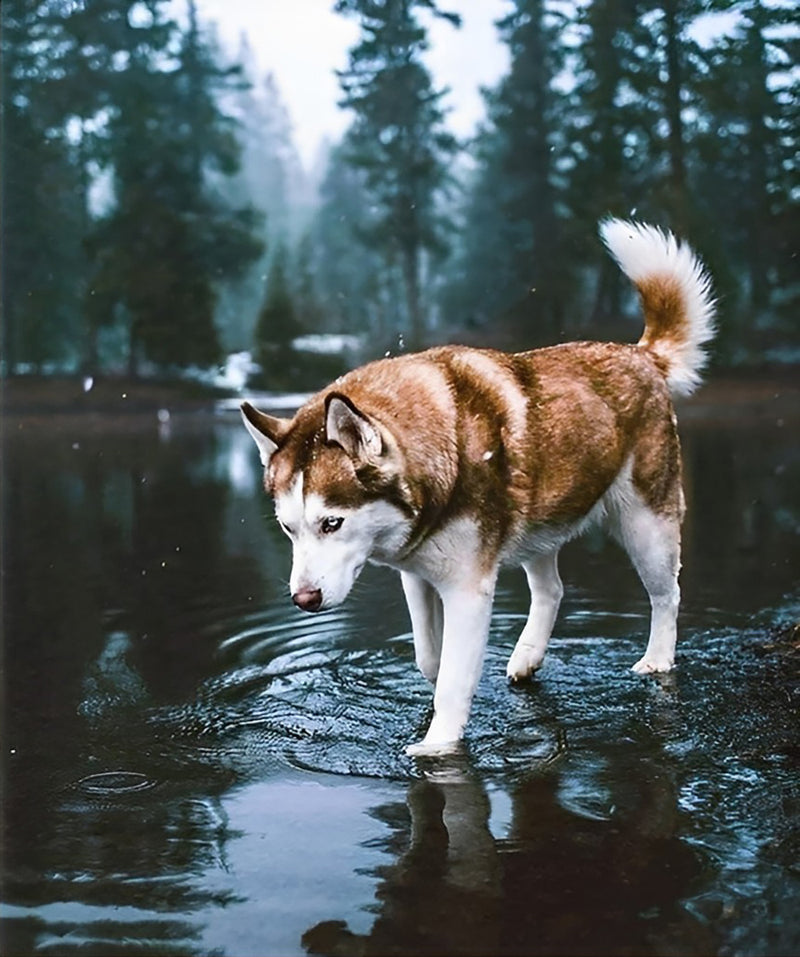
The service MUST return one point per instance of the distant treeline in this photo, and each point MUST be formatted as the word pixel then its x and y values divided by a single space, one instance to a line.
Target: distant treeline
pixel 155 214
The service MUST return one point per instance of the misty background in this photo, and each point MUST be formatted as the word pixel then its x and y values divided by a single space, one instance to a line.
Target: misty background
pixel 160 220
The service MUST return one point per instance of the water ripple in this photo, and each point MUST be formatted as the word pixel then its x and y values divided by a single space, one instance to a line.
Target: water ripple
pixel 329 692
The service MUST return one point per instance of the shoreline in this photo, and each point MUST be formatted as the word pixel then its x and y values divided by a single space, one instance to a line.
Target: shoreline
pixel 758 396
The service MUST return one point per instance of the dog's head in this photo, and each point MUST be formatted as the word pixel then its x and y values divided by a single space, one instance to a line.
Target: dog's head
pixel 334 473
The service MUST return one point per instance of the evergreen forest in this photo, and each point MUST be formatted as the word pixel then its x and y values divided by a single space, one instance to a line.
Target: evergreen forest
pixel 157 217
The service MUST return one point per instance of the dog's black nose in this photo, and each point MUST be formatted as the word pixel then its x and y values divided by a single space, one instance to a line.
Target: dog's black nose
pixel 309 599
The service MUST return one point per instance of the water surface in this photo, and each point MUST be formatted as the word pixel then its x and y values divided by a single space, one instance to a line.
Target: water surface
pixel 193 766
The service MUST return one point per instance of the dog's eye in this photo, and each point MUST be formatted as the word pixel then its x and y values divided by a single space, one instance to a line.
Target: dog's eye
pixel 331 524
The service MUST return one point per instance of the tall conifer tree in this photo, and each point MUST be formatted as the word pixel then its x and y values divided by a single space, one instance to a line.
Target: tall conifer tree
pixel 609 130
pixel 512 260
pixel 748 149
pixel 44 186
pixel 169 238
pixel 398 138
pixel 352 274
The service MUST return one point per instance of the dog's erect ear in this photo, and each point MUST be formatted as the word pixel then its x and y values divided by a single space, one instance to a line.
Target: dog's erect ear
pixel 351 429
pixel 268 431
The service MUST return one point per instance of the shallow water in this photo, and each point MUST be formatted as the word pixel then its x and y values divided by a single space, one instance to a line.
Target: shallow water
pixel 193 766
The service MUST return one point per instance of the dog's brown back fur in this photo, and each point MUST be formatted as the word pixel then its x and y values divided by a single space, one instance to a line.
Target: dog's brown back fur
pixel 535 437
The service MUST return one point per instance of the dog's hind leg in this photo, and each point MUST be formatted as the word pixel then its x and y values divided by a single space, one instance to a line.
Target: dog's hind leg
pixel 546 593
pixel 653 542
pixel 427 622
pixel 467 609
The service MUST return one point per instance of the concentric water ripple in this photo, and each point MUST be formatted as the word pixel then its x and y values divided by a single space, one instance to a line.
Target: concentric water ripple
pixel 339 692
pixel 333 693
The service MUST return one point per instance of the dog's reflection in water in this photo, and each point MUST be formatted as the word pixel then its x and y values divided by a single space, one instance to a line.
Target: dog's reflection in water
pixel 559 882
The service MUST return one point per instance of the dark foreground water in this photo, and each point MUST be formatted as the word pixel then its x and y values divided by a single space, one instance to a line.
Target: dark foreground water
pixel 191 766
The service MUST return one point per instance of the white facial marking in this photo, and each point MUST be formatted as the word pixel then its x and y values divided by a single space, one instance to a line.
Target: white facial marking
pixel 332 544
pixel 289 507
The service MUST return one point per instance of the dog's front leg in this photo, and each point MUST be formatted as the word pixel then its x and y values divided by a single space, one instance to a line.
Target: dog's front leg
pixel 467 612
pixel 425 609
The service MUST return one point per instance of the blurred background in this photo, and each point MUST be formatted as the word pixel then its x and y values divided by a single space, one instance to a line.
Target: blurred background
pixel 263 194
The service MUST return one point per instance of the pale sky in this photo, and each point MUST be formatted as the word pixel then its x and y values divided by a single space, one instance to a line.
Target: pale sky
pixel 302 42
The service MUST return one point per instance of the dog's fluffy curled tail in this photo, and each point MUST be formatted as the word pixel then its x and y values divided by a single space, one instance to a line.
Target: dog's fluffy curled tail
pixel 675 290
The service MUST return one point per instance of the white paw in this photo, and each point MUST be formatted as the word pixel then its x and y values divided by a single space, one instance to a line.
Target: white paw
pixel 523 662
pixel 648 666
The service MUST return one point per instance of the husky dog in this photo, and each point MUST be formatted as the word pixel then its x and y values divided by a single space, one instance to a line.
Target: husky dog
pixel 449 463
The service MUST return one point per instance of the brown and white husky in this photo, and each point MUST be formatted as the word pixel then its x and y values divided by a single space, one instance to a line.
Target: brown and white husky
pixel 449 463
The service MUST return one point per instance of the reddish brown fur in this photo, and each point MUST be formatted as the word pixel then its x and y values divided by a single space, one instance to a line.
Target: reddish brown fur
pixel 559 424
pixel 664 307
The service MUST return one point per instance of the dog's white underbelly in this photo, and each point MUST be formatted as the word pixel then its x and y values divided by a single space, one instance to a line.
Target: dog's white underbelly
pixel 540 539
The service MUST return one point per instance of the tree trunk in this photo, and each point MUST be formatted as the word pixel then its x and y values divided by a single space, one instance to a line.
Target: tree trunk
pixel 90 360
pixel 133 350
pixel 757 162
pixel 543 219
pixel 607 295
pixel 675 137
pixel 416 331
pixel 8 337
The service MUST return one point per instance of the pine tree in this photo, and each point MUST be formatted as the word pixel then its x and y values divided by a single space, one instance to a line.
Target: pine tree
pixel 271 178
pixel 310 311
pixel 666 77
pixel 43 190
pixel 609 133
pixel 398 138
pixel 277 325
pixel 354 279
pixel 636 110
pixel 169 238
pixel 513 261
pixel 483 280
pixel 748 148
